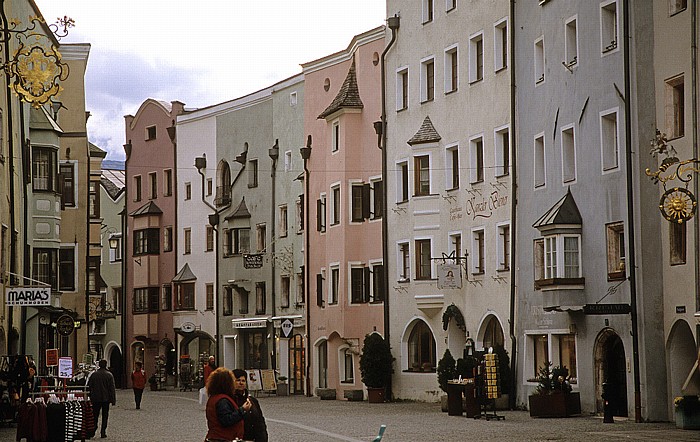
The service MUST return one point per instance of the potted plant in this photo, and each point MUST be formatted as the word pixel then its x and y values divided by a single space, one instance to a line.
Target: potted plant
pixel 282 386
pixel 376 366
pixel 687 412
pixel 553 397
pixel 446 371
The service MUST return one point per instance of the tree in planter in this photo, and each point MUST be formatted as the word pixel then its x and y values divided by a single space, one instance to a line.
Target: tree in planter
pixel 465 367
pixel 553 396
pixel 446 370
pixel 376 362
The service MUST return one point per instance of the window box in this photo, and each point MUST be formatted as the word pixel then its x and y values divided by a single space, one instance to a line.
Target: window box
pixel 559 283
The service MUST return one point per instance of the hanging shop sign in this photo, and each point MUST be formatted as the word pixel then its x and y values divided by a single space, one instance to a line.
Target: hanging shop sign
pixel 606 309
pixel 65 367
pixel 187 327
pixel 253 261
pixel 449 276
pixel 287 326
pixel 65 325
pixel 28 296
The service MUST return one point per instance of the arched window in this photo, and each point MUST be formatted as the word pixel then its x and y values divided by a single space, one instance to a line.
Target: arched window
pixel 421 348
pixel 223 184
pixel 493 334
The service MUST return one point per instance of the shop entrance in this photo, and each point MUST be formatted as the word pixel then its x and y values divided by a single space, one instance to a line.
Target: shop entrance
pixel 296 364
pixel 611 367
pixel 255 349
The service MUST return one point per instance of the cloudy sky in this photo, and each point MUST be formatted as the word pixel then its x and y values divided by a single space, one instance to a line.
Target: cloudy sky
pixel 201 53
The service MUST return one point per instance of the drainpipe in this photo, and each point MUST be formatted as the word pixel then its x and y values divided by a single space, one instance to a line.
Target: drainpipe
pixel 513 216
pixel 306 154
pixel 694 107
pixel 122 301
pixel 274 153
pixel 393 23
pixel 630 214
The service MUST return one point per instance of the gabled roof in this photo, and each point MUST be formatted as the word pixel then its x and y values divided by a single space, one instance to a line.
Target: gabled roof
pixel 240 212
pixel 348 96
pixel 185 274
pixel 112 189
pixel 39 119
pixel 96 151
pixel 563 211
pixel 149 208
pixel 426 134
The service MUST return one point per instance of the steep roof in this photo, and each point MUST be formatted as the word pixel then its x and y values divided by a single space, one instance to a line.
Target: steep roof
pixel 348 96
pixel 240 212
pixel 185 274
pixel 426 134
pixel 150 208
pixel 565 211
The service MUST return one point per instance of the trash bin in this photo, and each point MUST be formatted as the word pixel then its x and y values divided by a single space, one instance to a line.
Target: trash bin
pixel 454 398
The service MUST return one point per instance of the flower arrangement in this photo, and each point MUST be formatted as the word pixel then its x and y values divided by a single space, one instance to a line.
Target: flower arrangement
pixel 553 379
pixel 687 404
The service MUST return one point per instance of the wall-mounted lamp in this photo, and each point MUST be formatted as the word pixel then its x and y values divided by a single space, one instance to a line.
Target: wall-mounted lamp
pixel 213 219
pixel 379 129
pixel 200 163
pixel 171 131
pixel 114 242
pixel 127 149
pixel 274 151
pixel 306 151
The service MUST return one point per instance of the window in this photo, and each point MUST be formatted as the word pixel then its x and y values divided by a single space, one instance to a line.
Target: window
pixel 94 199
pixel 675 107
pixel 423 259
pixel 334 289
pixel 402 184
pixel 421 178
pixel 539 156
pixel 93 280
pixel 227 302
pixel 500 45
pixel 568 154
pixel 321 213
pixel 676 6
pixel 348 373
pixel 320 278
pixel 451 69
pixel 283 223
pixel 210 186
pixel 184 296
pixel 209 235
pixel 44 266
pixel 504 247
pixel 335 207
pixel 476 158
pixel 427 11
pixel 377 274
pixel 360 196
pixel 502 139
pixel 150 133
pixel 68 191
pixel 404 261
pixel 550 258
pixel 608 26
pixel 300 213
pixel 455 245
pixel 559 349
pixel 188 191
pixel 571 43
pixel 166 301
pixel 541 353
pixel 146 241
pixel 153 180
pixel 293 99
pixel 168 239
pixel 677 240
pixel 284 288
pixel 559 265
pixel 146 300
pixel 452 167
pixel 66 269
pixel 117 300
pixel 115 250
pixel 242 301
pixel 402 89
pixel 44 169
pixel 210 296
pixel 421 349
pixel 539 60
pixel 323 364
pixel 223 184
pixel 359 284
pixel 188 241
pixel 450 5
pixel 377 196
pixel 335 136
pixel 478 251
pixel 301 284
pixel 252 173
pixel 261 237
pixel 476 57
pixel 260 298
pixel 287 160
pixel 615 234
pixel 609 141
pixel 168 182
pixel 241 241
pixel 427 74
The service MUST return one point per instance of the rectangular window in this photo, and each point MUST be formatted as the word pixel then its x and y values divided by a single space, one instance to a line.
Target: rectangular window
pixel 68 191
pixel 476 57
pixel 300 213
pixel 504 247
pixel 615 235
pixel 301 285
pixel 451 70
pixel 348 367
pixel 94 199
pixel 210 297
pixel 550 258
pixel 44 169
pixel 284 288
pixel 476 158
pixel 333 293
pixel 210 186
pixel 335 207
pixel 283 221
pixel 320 278
pixel 404 266
pixel 261 237
pixel 676 6
pixel 166 301
pixel 500 45
pixel 421 178
pixel 423 259
pixel 455 245
pixel 427 11
pixel 150 133
pixel 146 300
pixel 147 241
pixel 168 239
pixel 44 266
pixel 402 89
pixel 609 141
pixel 608 26
pixel 539 60
pixel 541 352
pixel 188 191
pixel 184 296
pixel 227 302
pixel 567 354
pixel 572 267
pixel 117 300
pixel 93 279
pixel 321 213
pixel 335 136
pixel 287 160
pixel 539 156
pixel 359 285
pixel 357 214
pixel 502 139
pixel 377 202
pixel 242 301
pixel 209 234
pixel 241 241
pixel 153 181
pixel 478 265
pixel 568 155
pixel 188 241
pixel 571 43
pixel 378 294
pixel 66 269
pixel 427 80
pixel 675 107
pixel 167 182
pixel 452 167
pixel 402 184
pixel 677 240
pixel 252 173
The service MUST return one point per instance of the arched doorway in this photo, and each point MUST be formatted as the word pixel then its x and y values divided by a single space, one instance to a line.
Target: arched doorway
pixel 114 356
pixel 682 355
pixel 297 363
pixel 611 367
pixel 168 351
pixel 491 333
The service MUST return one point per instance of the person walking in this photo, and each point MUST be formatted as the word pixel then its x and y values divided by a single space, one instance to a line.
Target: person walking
pixel 209 368
pixel 102 393
pixel 224 416
pixel 138 382
pixel 255 428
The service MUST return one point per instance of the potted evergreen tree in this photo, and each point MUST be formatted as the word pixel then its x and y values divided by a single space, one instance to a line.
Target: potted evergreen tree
pixel 376 366
pixel 553 397
pixel 446 371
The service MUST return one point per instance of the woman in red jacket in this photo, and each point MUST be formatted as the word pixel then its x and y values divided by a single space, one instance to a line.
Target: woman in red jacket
pixel 224 417
pixel 138 382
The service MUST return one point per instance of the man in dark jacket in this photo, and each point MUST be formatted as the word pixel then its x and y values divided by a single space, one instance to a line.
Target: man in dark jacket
pixel 254 421
pixel 102 393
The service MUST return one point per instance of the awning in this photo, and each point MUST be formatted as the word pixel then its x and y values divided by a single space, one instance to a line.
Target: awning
pixel 184 275
pixel 564 308
pixel 260 322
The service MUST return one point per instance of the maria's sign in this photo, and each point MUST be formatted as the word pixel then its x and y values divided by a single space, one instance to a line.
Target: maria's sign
pixel 29 296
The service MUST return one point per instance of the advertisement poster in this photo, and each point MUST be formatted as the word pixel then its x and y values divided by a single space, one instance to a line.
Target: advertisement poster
pixel 65 367
pixel 254 381
pixel 51 357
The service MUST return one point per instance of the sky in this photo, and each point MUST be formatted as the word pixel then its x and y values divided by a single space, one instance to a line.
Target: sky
pixel 198 52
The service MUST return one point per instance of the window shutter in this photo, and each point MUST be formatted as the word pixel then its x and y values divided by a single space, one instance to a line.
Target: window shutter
pixel 365 201
pixel 378 272
pixel 366 285
pixel 378 199
pixel 319 290
pixel 62 190
pixel 319 209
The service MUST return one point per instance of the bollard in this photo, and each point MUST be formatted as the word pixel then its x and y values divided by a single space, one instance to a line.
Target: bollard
pixel 607 409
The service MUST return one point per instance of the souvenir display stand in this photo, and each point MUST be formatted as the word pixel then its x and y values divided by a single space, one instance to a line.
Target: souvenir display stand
pixel 160 374
pixel 16 382
pixel 488 387
pixel 203 360
pixel 186 373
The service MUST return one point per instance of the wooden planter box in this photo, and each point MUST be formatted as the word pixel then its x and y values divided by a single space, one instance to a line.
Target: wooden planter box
pixel 687 421
pixel 354 395
pixel 375 395
pixel 555 404
pixel 326 394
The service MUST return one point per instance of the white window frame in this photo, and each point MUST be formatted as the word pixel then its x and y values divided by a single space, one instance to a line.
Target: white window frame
pixel 400 180
pixel 610 140
pixel 554 355
pixel 335 135
pixel 324 215
pixel 609 27
pixel 373 264
pixel 474 39
pixel 556 268
pixel 287 160
pixel 571 52
pixel 433 275
pixel 293 98
pixel 473 157
pixel 372 197
pixel 168 191
pixel 539 150
pixel 500 151
pixel 540 60
pixel 568 154
pixel 399 260
pixel 475 250
pixel 499 41
pixel 451 243
pixel 450 5
pixel 400 79
pixel 502 242
pixel 451 51
pixel 424 78
pixel 344 350
pixel 450 167
pixel 428 11
pixel 283 221
pixel 334 203
pixel 332 298
pixel 412 172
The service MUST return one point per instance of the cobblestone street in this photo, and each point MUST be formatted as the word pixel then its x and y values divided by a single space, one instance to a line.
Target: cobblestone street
pixel 177 416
